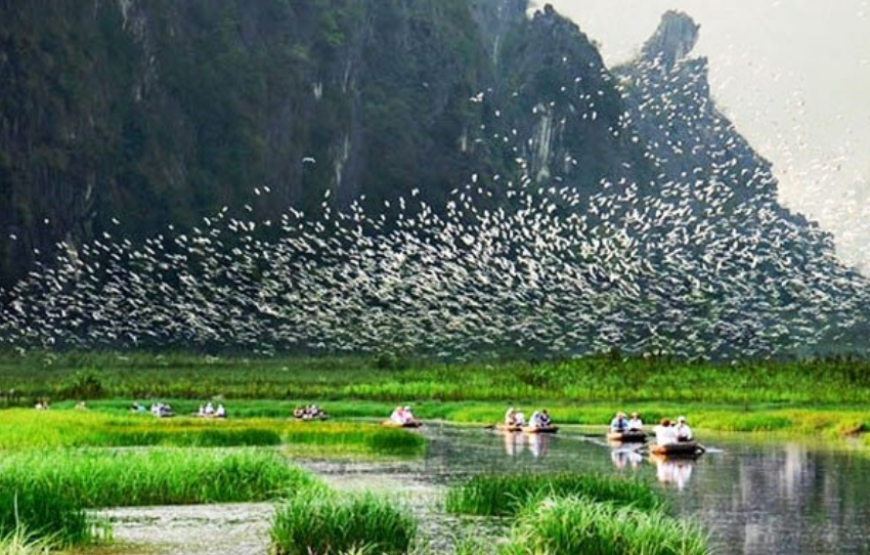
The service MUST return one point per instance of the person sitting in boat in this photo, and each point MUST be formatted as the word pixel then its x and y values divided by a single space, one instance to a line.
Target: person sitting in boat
pixel 519 418
pixel 545 420
pixel 408 415
pixel 535 420
pixel 398 416
pixel 635 424
pixel 665 433
pixel 220 412
pixel 209 409
pixel 682 430
pixel 619 423
pixel 510 417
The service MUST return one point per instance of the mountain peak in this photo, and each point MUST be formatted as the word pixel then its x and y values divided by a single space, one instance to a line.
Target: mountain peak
pixel 674 39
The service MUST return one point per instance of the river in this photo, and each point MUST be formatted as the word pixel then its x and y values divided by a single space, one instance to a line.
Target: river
pixel 755 497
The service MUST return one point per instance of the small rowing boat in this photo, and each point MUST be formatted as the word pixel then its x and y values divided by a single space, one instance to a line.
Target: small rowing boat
pixel 541 430
pixel 635 436
pixel 412 424
pixel 508 428
pixel 680 449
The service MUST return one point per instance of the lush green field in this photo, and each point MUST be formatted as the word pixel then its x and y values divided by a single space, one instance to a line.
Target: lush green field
pixel 27 428
pixel 809 397
pixel 602 379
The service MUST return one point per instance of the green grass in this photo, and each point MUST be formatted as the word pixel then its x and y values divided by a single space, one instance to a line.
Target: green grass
pixel 47 492
pixel 596 379
pixel 496 495
pixel 27 429
pixel 330 525
pixel 581 526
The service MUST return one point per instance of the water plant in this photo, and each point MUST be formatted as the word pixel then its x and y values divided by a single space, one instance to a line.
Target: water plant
pixel 48 492
pixel 314 524
pixel 575 525
pixel 505 495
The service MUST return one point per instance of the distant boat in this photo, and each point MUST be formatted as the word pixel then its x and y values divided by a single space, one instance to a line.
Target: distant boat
pixel 634 436
pixel 412 424
pixel 540 430
pixel 508 428
pixel 689 449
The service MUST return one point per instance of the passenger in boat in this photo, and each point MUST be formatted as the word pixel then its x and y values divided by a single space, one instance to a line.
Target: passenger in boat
pixel 665 433
pixel 544 418
pixel 220 412
pixel 682 430
pixel 409 417
pixel 535 420
pixel 519 418
pixel 209 410
pixel 398 416
pixel 635 424
pixel 510 417
pixel 619 423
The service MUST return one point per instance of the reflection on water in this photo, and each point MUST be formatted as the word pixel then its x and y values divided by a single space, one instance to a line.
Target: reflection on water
pixel 672 471
pixel 517 442
pixel 759 498
pixel 623 457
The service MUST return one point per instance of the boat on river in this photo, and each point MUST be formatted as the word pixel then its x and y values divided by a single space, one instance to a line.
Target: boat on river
pixel 508 428
pixel 633 436
pixel 686 449
pixel 540 429
pixel 412 424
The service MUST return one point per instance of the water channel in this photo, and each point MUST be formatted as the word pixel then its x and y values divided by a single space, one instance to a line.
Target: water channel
pixel 755 497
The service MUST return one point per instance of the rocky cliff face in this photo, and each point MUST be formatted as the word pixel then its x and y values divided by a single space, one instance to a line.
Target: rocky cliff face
pixel 128 116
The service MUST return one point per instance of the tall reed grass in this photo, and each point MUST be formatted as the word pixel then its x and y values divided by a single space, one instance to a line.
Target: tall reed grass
pixel 313 524
pixel 19 542
pixel 496 495
pixel 48 492
pixel 581 526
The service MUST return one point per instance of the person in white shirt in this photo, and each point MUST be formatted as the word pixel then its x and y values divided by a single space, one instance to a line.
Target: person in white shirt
pixel 682 430
pixel 520 418
pixel 221 412
pixel 398 416
pixel 665 433
pixel 635 424
pixel 407 415
pixel 510 417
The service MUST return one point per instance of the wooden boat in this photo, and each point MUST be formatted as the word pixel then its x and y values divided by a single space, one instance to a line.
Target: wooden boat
pixel 627 437
pixel 508 428
pixel 412 424
pixel 546 430
pixel 680 449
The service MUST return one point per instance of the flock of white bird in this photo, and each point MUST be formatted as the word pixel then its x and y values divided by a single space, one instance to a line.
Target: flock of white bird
pixel 691 270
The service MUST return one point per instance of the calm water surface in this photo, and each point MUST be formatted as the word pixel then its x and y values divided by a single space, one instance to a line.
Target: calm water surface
pixel 770 497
